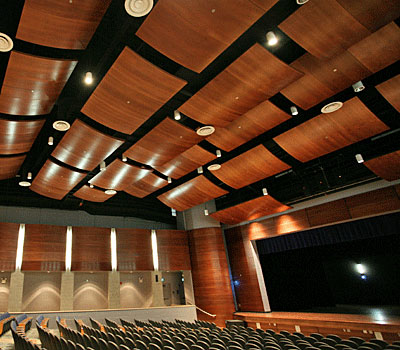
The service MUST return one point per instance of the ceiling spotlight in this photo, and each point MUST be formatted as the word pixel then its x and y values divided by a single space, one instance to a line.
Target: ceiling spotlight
pixel 214 167
pixel 124 159
pixel 206 212
pixel 29 177
pixel 265 192
pixel 88 78
pixel 359 86
pixel 50 141
pixel 138 8
pixel 61 125
pixel 24 183
pixel 177 115
pixel 359 158
pixel 271 39
pixel 103 166
pixel 218 153
pixel 294 110
pixel 91 185
pixel 169 180
pixel 200 170
pixel 6 43
pixel 205 130
pixel 173 212
pixel 110 192
pixel 332 107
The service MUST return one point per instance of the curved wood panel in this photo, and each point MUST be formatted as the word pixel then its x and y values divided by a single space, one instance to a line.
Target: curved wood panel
pixel 8 243
pixel 323 28
pixel 261 118
pixel 191 193
pixel 55 181
pixel 163 143
pixel 18 136
pixel 201 30
pixel 323 78
pixel 251 166
pixel 32 84
pixel 142 187
pixel 250 210
pixel 186 162
pixel 44 248
pixel 387 167
pixel 251 79
pixel 92 194
pixel 91 249
pixel 390 90
pixel 131 91
pixel 84 147
pixel 173 250
pixel 380 49
pixel 118 176
pixel 328 132
pixel 62 24
pixel 134 250
pixel 9 166
pixel 210 274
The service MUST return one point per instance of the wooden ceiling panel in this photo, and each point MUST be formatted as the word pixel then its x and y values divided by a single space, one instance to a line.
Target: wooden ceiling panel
pixel 236 172
pixel 55 181
pixel 201 30
pixel 130 93
pixel 258 120
pixel 84 147
pixel 9 166
pixel 67 24
pixel 186 162
pixel 163 143
pixel 387 167
pixel 390 90
pixel 118 175
pixel 32 84
pixel 250 210
pixel 251 79
pixel 146 185
pixel 380 49
pixel 18 136
pixel 328 132
pixel 191 193
pixel 92 194
pixel 323 28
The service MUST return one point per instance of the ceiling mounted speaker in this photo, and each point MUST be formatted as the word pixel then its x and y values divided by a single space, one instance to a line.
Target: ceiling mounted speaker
pixel 138 8
pixel 332 107
pixel 61 125
pixel 6 43
pixel 205 130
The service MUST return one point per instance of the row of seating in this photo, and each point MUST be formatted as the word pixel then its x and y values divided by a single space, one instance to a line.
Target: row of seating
pixel 24 322
pixel 5 322
pixel 21 342
pixel 42 321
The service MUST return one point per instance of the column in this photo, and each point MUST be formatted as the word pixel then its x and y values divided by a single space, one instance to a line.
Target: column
pixel 67 291
pixel 16 291
pixel 114 290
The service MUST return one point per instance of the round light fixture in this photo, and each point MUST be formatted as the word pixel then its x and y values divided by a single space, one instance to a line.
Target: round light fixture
pixel 214 167
pixel 110 192
pixel 61 125
pixel 332 107
pixel 6 43
pixel 205 130
pixel 301 2
pixel 24 183
pixel 138 8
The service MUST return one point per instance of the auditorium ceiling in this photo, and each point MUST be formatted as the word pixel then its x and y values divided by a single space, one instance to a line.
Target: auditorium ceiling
pixel 137 143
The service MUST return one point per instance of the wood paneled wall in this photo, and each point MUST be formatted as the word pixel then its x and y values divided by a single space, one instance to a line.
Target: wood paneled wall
pixel 238 238
pixel 8 243
pixel 173 250
pixel 211 281
pixel 44 248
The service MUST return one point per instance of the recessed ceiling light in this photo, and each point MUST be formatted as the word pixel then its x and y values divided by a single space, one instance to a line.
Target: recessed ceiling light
pixel 24 183
pixel 205 130
pixel 138 8
pixel 301 2
pixel 6 43
pixel 61 125
pixel 271 39
pixel 332 107
pixel 88 78
pixel 214 167
pixel 110 192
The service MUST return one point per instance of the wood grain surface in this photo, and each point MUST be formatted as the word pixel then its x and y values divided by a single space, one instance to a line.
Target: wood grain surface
pixel 390 90
pixel 173 250
pixel 9 166
pixel 92 194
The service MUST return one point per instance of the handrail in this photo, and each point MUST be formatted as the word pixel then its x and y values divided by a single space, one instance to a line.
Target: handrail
pixel 207 313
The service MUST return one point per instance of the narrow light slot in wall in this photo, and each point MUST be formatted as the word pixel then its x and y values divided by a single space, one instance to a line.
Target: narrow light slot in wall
pixel 68 249
pixel 20 247
pixel 154 249
pixel 113 250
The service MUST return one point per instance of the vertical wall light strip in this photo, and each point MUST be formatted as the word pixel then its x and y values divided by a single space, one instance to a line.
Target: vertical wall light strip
pixel 154 249
pixel 20 247
pixel 68 249
pixel 113 250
